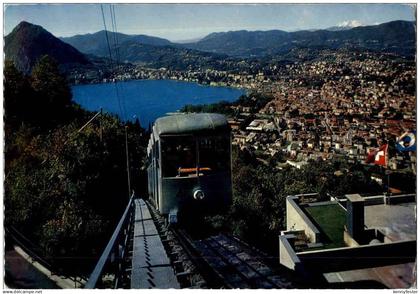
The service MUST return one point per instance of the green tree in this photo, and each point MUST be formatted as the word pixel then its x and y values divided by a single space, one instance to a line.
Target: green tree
pixel 18 96
pixel 53 95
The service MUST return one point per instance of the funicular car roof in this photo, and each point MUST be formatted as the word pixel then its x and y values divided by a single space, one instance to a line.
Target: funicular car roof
pixel 190 123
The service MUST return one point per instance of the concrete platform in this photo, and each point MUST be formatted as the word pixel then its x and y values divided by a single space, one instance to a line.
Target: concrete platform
pixel 397 221
pixel 151 266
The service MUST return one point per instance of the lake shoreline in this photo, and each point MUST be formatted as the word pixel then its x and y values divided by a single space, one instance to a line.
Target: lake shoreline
pixel 147 100
pixel 153 79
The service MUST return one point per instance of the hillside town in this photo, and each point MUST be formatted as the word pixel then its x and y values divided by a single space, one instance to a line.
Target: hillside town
pixel 345 107
pixel 341 103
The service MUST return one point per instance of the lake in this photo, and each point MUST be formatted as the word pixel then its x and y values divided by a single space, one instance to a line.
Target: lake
pixel 149 99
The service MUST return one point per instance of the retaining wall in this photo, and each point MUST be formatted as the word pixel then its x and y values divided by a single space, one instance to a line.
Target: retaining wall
pixel 297 220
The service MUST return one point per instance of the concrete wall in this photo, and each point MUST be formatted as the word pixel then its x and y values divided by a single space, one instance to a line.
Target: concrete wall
pixel 381 199
pixel 287 254
pixel 343 259
pixel 365 256
pixel 396 199
pixel 374 200
pixel 297 220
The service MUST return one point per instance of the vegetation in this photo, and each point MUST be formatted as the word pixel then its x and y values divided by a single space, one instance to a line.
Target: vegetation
pixel 255 101
pixel 64 189
pixel 222 107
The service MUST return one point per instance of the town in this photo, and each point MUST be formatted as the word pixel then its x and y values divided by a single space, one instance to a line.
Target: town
pixel 341 103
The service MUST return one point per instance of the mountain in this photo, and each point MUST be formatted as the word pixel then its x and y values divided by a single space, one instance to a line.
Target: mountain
pixel 166 56
pixel 96 43
pixel 28 42
pixel 345 25
pixel 192 40
pixel 395 36
pixel 240 43
pixel 141 49
pixel 339 28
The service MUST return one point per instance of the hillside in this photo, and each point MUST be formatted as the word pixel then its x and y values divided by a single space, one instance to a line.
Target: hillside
pixel 165 56
pixel 28 42
pixel 396 36
pixel 96 43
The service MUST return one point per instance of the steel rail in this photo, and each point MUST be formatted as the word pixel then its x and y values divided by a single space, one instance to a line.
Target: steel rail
pixel 213 279
pixel 229 255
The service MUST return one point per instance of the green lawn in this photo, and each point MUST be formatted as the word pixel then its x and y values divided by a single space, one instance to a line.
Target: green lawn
pixel 331 220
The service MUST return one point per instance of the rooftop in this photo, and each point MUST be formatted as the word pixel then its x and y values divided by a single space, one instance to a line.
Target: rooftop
pixel 330 220
pixel 190 123
pixel 397 221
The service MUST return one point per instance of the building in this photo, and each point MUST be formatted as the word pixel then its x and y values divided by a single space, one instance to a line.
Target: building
pixel 257 125
pixel 355 242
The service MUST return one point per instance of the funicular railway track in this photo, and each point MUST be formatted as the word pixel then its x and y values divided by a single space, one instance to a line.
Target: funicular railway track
pixel 240 266
pixel 233 264
pixel 220 261
pixel 144 252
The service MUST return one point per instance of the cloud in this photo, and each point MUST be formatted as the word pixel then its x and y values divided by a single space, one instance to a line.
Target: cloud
pixel 350 23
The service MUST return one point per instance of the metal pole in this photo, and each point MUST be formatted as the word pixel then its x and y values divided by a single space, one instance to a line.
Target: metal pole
pixel 128 163
pixel 86 124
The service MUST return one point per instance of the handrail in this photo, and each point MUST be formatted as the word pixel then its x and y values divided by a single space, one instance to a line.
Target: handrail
pixel 20 239
pixel 97 272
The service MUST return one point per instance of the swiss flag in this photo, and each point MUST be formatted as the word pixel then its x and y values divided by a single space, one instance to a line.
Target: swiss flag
pixel 378 156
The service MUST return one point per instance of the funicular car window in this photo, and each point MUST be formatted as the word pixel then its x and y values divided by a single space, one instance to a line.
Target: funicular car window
pixel 213 154
pixel 179 156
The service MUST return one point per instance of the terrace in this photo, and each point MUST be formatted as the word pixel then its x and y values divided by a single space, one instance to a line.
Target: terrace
pixel 373 234
pixel 330 220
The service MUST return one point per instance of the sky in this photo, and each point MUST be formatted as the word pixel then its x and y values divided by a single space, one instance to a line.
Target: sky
pixel 189 21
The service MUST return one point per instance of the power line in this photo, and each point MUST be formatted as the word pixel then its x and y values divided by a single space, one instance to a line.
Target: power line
pixel 117 54
pixel 114 28
pixel 117 63
pixel 106 35
pixel 122 115
pixel 71 136
pixel 116 36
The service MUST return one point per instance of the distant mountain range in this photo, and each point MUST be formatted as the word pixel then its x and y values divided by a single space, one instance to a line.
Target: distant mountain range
pixel 139 49
pixel 339 28
pixel 345 25
pixel 27 42
pixel 396 36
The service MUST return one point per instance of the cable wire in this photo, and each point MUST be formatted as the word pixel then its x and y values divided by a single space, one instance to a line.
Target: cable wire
pixel 121 114
pixel 117 54
pixel 106 34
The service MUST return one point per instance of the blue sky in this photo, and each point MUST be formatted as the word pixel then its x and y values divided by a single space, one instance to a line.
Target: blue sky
pixel 187 21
